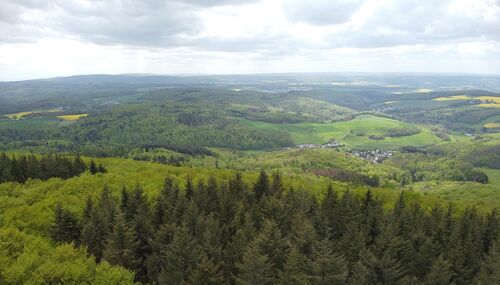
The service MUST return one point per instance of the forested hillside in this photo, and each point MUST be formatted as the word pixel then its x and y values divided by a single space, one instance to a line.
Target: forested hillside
pixel 283 179
pixel 259 231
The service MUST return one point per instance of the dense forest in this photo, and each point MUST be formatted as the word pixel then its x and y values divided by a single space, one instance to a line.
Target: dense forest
pixel 23 167
pixel 228 232
pixel 115 132
pixel 365 180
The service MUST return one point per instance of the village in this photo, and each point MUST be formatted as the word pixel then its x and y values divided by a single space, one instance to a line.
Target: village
pixel 374 156
pixel 331 144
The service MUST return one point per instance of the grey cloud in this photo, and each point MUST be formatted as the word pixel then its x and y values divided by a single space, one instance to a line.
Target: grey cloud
pixel 146 23
pixel 157 23
pixel 321 12
pixel 213 3
pixel 408 22
pixel 134 23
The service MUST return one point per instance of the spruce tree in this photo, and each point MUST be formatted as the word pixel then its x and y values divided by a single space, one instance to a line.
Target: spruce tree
pixel 303 234
pixel 94 234
pixel 273 244
pixel 101 168
pixel 207 273
pixel 277 187
pixel 233 255
pixel 440 273
pixel 100 223
pixel 358 274
pixel 189 188
pixel 255 269
pixel 78 166
pixel 143 231
pixel 121 244
pixel 181 258
pixel 261 187
pixel 328 267
pixel 297 269
pixel 237 186
pixel 66 227
pixel 93 167
pixel 489 272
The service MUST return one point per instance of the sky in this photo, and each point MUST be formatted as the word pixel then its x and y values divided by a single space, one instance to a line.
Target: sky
pixel 44 38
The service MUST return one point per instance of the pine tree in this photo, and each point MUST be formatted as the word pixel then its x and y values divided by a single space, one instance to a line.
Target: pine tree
pixel 121 244
pixel 181 258
pixel 237 186
pixel 440 273
pixel 384 270
pixel 207 273
pixel 143 231
pixel 155 262
pixel 87 211
pixel 100 223
pixel 271 243
pixel 189 188
pixel 303 234
pixel 328 267
pixel 329 209
pixel 261 187
pixel 78 166
pixel 490 268
pixel 66 227
pixel 297 269
pixel 101 168
pixel 131 203
pixel 277 187
pixel 124 199
pixel 491 230
pixel 166 201
pixel 233 255
pixel 359 274
pixel 93 167
pixel 94 234
pixel 255 268
pixel 212 197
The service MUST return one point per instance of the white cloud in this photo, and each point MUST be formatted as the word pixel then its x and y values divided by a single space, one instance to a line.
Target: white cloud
pixel 60 37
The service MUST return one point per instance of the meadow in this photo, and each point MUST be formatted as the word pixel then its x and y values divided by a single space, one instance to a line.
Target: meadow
pixel 494 101
pixel 74 117
pixel 353 133
pixel 23 114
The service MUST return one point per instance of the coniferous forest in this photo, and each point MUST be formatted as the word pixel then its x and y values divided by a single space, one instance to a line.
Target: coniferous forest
pixel 21 168
pixel 249 142
pixel 231 232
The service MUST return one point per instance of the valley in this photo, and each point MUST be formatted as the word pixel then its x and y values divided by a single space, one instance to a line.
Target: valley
pixel 172 157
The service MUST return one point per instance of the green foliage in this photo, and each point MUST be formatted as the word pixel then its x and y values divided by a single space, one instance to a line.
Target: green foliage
pixel 121 244
pixel 255 268
pixel 220 220
pixel 328 267
pixel 27 259
pixel 66 227
pixel 428 167
pixel 22 168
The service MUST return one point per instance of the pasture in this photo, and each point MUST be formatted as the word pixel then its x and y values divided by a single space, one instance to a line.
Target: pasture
pixel 493 102
pixel 74 117
pixel 353 133
pixel 22 115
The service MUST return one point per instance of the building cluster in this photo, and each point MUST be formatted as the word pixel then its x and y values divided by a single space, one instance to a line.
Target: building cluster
pixel 331 144
pixel 375 156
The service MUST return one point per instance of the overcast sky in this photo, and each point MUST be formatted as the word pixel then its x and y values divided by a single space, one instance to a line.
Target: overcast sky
pixel 43 38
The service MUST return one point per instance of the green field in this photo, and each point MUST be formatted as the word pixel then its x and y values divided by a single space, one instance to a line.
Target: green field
pixel 355 132
pixel 29 123
pixel 493 175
